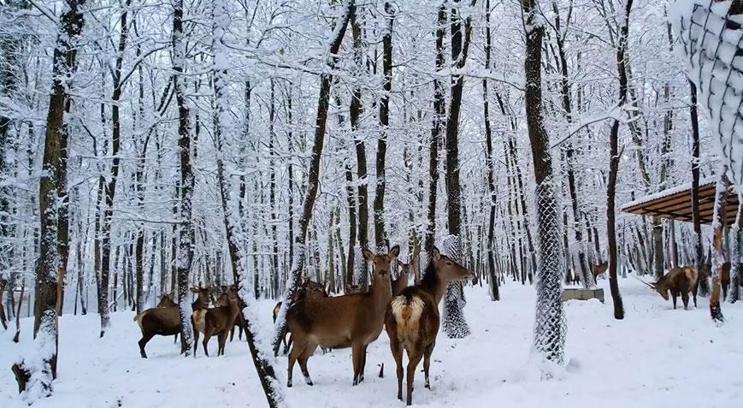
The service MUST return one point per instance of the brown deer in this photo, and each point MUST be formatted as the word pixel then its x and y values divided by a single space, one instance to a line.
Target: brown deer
pixel 167 301
pixel 166 320
pixel 406 271
pixel 308 288
pixel 677 281
pixel 599 269
pixel 412 318
pixel 342 321
pixel 724 276
pixel 217 321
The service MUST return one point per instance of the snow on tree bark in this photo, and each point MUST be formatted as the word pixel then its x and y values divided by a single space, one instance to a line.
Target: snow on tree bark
pixel 736 252
pixel 718 249
pixel 550 325
pixel 36 372
pixel 186 227
pixel 326 80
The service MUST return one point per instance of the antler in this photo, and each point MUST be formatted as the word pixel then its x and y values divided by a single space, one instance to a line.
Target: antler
pixel 652 286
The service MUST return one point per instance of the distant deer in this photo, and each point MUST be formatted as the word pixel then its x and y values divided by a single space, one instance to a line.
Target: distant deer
pixel 412 318
pixel 677 281
pixel 343 321
pixel 167 301
pixel 406 271
pixel 599 269
pixel 166 320
pixel 724 276
pixel 217 321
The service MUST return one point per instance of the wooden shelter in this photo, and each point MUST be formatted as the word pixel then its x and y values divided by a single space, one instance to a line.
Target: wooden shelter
pixel 675 203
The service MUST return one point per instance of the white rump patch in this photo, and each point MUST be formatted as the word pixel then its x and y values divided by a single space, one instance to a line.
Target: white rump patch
pixel 406 313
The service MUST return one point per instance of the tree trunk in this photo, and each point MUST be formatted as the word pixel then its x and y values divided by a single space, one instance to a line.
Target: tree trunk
pixel 326 80
pixel 439 107
pixel 454 322
pixel 736 252
pixel 186 228
pixel 384 123
pixel 698 246
pixel 53 239
pixel 549 332
pixel 490 162
pixel 354 117
pixel 718 248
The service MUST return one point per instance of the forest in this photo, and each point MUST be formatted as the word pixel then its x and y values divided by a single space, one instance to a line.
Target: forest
pixel 453 183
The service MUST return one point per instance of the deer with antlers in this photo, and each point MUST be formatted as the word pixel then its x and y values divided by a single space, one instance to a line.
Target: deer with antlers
pixel 678 281
pixel 342 321
pixel 412 318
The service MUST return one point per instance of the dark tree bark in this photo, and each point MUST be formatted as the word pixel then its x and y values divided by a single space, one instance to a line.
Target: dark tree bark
pixel 454 323
pixel 549 333
pixel 492 280
pixel 323 102
pixel 361 172
pixel 53 240
pixel 384 123
pixel 614 169
pixel 439 107
pixel 110 187
pixel 186 228
pixel 698 246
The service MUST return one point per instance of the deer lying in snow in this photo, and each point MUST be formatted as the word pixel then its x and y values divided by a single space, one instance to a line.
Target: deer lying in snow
pixel 350 320
pixel 412 318
pixel 217 321
pixel 166 320
pixel 678 281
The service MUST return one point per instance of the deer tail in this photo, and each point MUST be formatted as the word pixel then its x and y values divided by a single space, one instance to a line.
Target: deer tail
pixel 407 309
pixel 138 318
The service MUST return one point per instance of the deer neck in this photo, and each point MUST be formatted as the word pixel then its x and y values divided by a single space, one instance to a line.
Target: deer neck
pixel 380 292
pixel 433 284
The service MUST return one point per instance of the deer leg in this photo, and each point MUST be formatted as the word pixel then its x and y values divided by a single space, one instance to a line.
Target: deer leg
pixel 143 342
pixel 427 362
pixel 414 358
pixel 308 351
pixel 397 354
pixel 674 294
pixel 296 351
pixel 356 349
pixel 232 333
pixel 195 341
pixel 694 291
pixel 363 362
pixel 207 336
pixel 685 298
pixel 222 339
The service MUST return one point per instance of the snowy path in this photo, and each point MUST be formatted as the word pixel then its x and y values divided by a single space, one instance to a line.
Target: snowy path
pixel 655 357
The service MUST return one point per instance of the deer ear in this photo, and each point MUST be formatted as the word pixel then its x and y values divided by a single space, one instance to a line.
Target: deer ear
pixel 395 251
pixel 435 255
pixel 368 255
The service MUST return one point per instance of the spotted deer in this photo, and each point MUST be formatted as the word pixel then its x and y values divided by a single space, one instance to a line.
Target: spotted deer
pixel 412 318
pixel 342 321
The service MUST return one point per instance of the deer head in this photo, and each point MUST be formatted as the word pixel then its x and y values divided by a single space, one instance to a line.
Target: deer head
pixel 382 262
pixel 448 269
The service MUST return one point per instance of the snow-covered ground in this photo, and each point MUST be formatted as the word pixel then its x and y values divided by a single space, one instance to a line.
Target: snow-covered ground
pixel 656 357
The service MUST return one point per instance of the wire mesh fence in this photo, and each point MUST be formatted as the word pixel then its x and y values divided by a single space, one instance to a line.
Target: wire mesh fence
pixel 550 326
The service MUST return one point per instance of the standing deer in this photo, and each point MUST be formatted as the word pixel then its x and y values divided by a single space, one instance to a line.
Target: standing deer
pixel 343 321
pixel 677 281
pixel 217 321
pixel 406 271
pixel 412 318
pixel 166 320
pixel 308 288
pixel 599 269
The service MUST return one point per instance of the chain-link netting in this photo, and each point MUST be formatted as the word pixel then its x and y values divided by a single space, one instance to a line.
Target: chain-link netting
pixel 550 326
pixel 454 323
pixel 710 35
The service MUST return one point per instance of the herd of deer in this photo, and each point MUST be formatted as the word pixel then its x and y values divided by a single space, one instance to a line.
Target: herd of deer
pixel 410 315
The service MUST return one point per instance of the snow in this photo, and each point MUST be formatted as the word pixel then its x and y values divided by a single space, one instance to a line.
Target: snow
pixel 667 193
pixel 656 357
